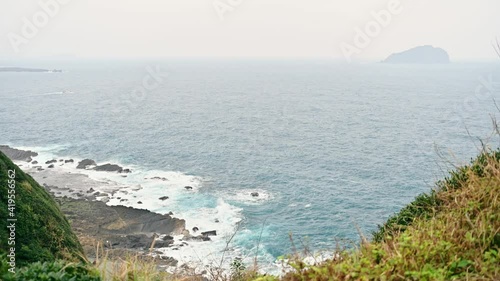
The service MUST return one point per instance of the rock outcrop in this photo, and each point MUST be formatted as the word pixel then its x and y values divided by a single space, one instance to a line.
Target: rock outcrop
pixel 85 163
pixel 421 55
pixel 17 154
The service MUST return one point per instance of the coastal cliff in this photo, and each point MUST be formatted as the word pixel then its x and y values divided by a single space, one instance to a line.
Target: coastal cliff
pixel 42 233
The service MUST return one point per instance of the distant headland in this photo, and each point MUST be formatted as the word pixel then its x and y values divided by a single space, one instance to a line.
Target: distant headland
pixel 24 69
pixel 423 54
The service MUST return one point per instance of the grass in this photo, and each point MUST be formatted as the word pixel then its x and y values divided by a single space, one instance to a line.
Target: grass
pixel 42 231
pixel 452 233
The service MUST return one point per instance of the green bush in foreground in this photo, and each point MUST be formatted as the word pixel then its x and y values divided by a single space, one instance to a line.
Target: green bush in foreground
pixel 52 271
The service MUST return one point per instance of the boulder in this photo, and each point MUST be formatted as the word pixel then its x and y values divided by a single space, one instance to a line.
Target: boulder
pixel 254 194
pixel 109 168
pixel 168 237
pixel 50 166
pixel 209 233
pixel 163 243
pixel 85 163
pixel 34 162
pixel 188 187
pixel 195 229
pixel 69 161
pixel 163 198
pixel 51 161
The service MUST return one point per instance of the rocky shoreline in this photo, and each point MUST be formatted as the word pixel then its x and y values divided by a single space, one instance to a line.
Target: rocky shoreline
pixel 117 231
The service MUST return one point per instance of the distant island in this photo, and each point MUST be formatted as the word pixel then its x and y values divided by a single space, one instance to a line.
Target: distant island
pixel 24 69
pixel 423 54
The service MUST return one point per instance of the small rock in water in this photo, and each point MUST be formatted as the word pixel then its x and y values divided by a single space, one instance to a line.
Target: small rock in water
pixel 139 202
pixel 90 190
pixel 85 163
pixel 123 200
pixel 69 161
pixel 170 213
pixel 34 162
pixel 163 198
pixel 195 229
pixel 61 160
pixel 51 161
pixel 50 166
pixel 209 233
pixel 188 187
pixel 254 194
pixel 216 220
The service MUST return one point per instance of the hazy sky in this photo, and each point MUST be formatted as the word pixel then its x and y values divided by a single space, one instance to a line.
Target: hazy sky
pixel 246 28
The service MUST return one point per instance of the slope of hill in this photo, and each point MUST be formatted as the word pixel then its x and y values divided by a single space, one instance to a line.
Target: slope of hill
pixel 37 227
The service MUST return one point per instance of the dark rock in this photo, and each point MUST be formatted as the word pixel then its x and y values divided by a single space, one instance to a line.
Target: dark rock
pixel 158 178
pixel 50 166
pixel 209 233
pixel 163 198
pixel 69 161
pixel 163 243
pixel 17 154
pixel 170 213
pixel 34 162
pixel 109 168
pixel 90 190
pixel 126 171
pixel 51 161
pixel 254 194
pixel 123 200
pixel 61 160
pixel 216 220
pixel 139 202
pixel 168 237
pixel 200 238
pixel 188 187
pixel 195 229
pixel 85 163
pixel 40 169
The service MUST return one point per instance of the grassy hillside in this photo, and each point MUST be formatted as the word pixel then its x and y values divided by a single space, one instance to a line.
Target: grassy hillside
pixel 42 231
pixel 452 233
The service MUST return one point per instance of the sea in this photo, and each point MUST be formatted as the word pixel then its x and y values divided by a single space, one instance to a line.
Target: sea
pixel 333 149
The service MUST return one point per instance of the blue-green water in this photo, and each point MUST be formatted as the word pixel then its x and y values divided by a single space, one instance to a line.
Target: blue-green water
pixel 329 146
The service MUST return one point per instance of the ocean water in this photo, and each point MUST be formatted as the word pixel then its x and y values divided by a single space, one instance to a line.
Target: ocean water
pixel 329 146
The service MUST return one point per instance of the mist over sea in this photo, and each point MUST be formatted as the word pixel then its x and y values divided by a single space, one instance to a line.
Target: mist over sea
pixel 328 146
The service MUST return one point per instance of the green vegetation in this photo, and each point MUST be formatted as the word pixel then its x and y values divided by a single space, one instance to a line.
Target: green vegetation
pixel 58 270
pixel 452 233
pixel 42 233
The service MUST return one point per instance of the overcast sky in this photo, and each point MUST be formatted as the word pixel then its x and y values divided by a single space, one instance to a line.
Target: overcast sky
pixel 250 28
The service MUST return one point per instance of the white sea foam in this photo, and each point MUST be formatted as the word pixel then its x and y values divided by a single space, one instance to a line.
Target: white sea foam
pixel 142 189
pixel 245 196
